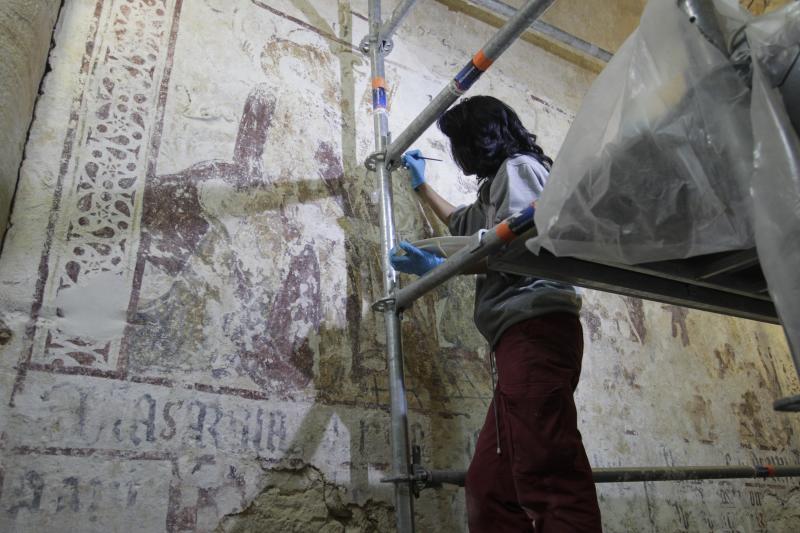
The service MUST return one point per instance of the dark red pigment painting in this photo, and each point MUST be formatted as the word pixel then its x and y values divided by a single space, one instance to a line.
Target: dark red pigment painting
pixel 191 245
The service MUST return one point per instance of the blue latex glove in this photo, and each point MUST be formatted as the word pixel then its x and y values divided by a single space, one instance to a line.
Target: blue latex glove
pixel 415 260
pixel 416 165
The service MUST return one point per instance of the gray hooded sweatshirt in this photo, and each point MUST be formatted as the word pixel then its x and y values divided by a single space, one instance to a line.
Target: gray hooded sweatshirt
pixel 502 300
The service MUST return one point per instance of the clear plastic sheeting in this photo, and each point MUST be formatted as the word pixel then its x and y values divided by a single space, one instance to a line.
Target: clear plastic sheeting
pixel 774 41
pixel 657 165
pixel 671 155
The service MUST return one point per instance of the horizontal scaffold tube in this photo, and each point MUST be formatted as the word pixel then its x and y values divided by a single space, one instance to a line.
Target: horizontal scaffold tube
pixel 484 243
pixel 573 41
pixel 624 475
pixel 399 13
pixel 479 63
pixel 434 478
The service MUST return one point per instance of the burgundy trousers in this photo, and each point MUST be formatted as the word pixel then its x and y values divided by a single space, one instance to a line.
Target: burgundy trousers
pixel 541 481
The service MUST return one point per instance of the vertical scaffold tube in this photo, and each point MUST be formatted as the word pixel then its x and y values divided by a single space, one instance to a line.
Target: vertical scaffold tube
pixel 466 77
pixel 399 408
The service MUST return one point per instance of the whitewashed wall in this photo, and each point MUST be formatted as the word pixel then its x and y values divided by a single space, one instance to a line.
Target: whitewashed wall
pixel 187 341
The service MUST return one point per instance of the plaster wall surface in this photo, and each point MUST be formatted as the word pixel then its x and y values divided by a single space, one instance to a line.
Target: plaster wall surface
pixel 186 342
pixel 25 30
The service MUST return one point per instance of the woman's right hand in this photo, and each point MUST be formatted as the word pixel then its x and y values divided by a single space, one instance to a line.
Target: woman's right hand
pixel 413 161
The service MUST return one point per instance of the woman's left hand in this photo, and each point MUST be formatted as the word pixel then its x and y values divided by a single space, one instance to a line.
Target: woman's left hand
pixel 415 261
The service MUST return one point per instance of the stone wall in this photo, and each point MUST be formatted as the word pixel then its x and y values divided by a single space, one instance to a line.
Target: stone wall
pixel 187 343
pixel 25 30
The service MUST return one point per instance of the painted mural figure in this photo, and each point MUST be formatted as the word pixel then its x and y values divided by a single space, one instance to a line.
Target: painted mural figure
pixel 254 311
pixel 529 450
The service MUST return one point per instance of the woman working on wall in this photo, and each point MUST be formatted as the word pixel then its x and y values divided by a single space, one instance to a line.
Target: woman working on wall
pixel 530 469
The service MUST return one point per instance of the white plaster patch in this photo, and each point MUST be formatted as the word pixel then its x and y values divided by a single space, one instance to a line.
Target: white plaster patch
pixel 97 310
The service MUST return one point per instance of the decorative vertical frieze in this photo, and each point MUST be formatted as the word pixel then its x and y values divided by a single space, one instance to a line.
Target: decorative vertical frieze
pixel 91 257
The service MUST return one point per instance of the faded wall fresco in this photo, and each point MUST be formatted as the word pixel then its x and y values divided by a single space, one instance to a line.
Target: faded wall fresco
pixel 186 340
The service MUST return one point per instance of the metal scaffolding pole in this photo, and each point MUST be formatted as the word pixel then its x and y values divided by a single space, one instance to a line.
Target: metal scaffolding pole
pixel 436 478
pixel 484 244
pixel 403 502
pixel 388 28
pixel 685 473
pixel 399 13
pixel 557 34
pixel 479 63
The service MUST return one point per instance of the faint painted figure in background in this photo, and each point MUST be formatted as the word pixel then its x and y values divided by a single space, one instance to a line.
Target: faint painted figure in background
pixel 244 296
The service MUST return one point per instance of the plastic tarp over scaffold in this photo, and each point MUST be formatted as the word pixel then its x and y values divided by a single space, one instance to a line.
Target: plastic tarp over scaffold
pixel 658 162
pixel 673 155
pixel 775 43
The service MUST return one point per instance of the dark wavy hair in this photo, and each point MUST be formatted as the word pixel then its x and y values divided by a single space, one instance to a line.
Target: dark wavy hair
pixel 484 132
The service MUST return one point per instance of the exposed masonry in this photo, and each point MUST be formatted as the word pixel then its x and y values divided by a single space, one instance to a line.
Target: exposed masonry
pixel 324 506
